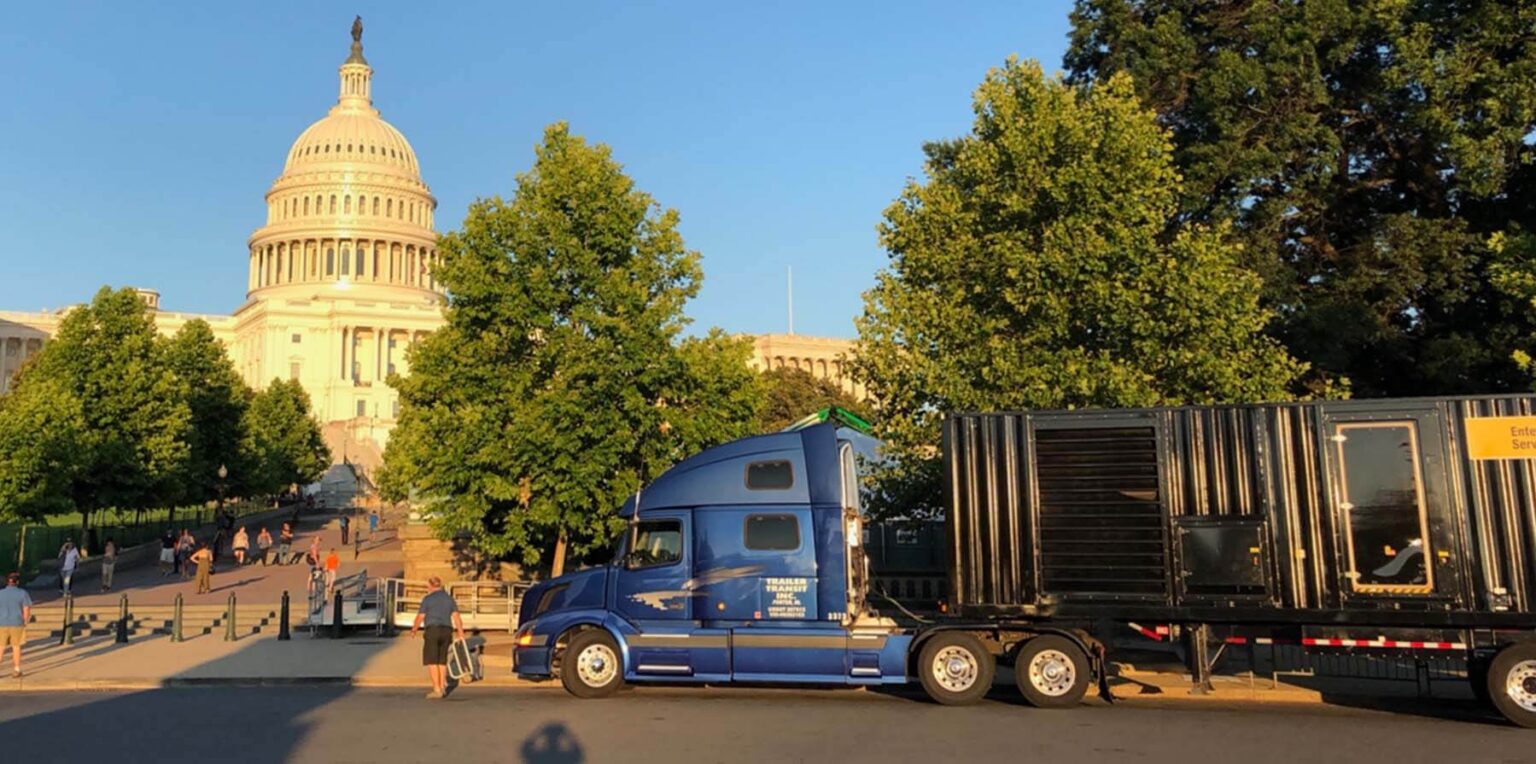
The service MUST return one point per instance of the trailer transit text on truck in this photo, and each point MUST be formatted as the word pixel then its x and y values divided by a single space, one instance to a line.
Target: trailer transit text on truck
pixel 1384 526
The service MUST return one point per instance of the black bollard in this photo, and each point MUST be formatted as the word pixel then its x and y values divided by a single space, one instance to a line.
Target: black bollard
pixel 282 620
pixel 389 611
pixel 176 621
pixel 122 620
pixel 69 618
pixel 336 618
pixel 229 619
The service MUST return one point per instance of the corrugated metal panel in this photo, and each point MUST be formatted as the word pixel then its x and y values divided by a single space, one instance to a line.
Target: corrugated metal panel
pixel 1275 462
pixel 1101 518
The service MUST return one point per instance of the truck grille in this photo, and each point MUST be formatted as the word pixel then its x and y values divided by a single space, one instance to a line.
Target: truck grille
pixel 1101 513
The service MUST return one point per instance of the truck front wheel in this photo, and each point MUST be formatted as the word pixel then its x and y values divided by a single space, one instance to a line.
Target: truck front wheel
pixel 955 669
pixel 1051 671
pixel 592 666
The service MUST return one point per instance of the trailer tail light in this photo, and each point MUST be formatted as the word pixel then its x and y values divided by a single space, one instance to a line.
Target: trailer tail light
pixel 943 606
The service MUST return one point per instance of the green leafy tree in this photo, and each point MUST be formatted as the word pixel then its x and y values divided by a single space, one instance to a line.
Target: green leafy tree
pixel 715 395
pixel 558 385
pixel 790 394
pixel 1513 272
pixel 108 357
pixel 42 429
pixel 283 442
pixel 1039 266
pixel 1364 152
pixel 217 399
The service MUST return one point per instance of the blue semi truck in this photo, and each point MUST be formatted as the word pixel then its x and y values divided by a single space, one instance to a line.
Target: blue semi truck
pixel 744 563
pixel 1402 527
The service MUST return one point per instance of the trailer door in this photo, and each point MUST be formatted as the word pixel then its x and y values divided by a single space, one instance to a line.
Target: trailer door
pixel 1394 519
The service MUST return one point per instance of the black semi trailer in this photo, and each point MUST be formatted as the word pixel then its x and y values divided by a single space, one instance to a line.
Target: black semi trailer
pixel 1403 526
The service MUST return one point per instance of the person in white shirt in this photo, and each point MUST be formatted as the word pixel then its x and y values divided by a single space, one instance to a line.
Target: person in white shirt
pixel 69 558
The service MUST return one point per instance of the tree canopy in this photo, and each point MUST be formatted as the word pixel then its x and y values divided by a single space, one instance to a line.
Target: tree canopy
pixel 558 384
pixel 1365 154
pixel 42 431
pixel 789 394
pixel 1040 265
pixel 217 400
pixel 132 446
pixel 112 415
pixel 283 440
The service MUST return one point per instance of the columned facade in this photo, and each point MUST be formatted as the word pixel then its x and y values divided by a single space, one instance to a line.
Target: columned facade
pixel 821 357
pixel 341 277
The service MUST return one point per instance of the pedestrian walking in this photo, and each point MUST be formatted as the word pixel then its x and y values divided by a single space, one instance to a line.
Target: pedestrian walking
pixel 15 612
pixel 285 545
pixel 108 564
pixel 241 544
pixel 168 553
pixel 312 556
pixel 185 545
pixel 345 525
pixel 440 615
pixel 203 559
pixel 373 523
pixel 69 558
pixel 332 564
pixel 264 544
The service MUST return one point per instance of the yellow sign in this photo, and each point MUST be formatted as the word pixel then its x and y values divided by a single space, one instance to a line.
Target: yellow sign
pixel 1501 437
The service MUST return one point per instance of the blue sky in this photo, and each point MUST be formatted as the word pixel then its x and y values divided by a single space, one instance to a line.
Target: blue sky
pixel 137 139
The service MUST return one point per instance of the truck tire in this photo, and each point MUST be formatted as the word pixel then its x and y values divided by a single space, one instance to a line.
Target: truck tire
pixel 592 666
pixel 1512 683
pixel 1052 672
pixel 955 669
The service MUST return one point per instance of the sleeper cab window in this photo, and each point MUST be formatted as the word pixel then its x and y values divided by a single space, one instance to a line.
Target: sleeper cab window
pixel 657 542
pixel 776 475
pixel 772 533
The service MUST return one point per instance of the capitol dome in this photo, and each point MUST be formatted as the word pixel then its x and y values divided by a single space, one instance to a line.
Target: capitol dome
pixel 348 136
pixel 349 210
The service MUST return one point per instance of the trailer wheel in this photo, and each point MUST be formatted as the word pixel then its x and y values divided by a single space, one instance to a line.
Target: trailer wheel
pixel 592 666
pixel 955 669
pixel 1512 683
pixel 1052 672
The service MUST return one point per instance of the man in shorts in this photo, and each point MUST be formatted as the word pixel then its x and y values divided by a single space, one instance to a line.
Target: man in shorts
pixel 15 611
pixel 440 614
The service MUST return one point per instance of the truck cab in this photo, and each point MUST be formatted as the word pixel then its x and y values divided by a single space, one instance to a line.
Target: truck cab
pixel 740 563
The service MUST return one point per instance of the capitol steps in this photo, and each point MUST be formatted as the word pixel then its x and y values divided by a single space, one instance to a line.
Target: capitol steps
pixel 146 620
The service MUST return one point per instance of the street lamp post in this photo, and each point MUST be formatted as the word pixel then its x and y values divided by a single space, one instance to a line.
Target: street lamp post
pixel 223 473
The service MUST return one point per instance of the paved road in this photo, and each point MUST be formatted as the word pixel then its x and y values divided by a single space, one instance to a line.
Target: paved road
pixel 337 725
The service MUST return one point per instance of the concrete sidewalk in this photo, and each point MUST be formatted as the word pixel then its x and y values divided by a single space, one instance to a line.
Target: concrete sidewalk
pixel 363 661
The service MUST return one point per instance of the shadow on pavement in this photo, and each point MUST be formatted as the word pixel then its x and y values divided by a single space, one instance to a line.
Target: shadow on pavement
pixel 552 743
pixel 178 723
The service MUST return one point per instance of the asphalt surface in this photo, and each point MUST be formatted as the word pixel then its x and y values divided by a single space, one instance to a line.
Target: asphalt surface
pixel 338 725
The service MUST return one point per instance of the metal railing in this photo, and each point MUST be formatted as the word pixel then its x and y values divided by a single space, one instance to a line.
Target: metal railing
pixel 486 605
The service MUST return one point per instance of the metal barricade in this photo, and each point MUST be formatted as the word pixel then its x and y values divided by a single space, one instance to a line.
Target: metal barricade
pixel 484 605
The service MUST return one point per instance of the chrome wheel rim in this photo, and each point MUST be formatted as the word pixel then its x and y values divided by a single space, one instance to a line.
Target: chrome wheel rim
pixel 1520 685
pixel 597 665
pixel 1052 673
pixel 956 668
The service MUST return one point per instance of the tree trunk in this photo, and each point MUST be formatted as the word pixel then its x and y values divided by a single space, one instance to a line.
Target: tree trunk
pixel 557 566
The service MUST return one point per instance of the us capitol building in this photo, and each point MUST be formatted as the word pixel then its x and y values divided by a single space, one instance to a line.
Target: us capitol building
pixel 340 279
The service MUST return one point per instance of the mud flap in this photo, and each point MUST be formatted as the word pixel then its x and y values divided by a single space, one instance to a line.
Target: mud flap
pixel 1100 670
